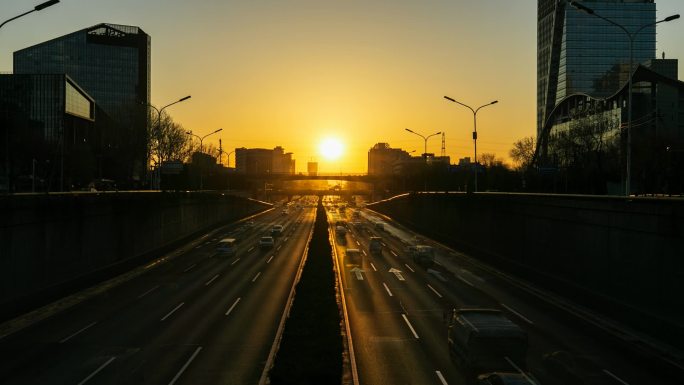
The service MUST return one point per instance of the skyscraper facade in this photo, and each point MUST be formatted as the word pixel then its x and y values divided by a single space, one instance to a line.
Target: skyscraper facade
pixel 112 64
pixel 578 53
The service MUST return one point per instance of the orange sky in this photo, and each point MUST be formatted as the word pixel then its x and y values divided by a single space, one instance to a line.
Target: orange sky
pixel 292 73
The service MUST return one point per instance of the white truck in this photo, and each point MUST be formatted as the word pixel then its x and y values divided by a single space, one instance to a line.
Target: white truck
pixel 484 340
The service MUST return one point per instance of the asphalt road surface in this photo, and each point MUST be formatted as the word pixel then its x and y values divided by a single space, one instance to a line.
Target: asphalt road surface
pixel 194 317
pixel 398 315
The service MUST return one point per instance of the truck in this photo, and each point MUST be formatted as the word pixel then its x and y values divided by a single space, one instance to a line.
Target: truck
pixel 484 340
pixel 375 246
pixel 423 255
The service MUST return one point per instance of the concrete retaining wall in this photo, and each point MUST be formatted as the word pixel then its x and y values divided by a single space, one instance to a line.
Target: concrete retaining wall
pixel 50 244
pixel 624 257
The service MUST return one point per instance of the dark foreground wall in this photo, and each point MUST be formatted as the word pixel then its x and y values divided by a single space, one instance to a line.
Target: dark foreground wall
pixel 52 244
pixel 621 256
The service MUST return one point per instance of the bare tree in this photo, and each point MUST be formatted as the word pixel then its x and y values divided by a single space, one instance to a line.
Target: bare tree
pixel 522 152
pixel 168 141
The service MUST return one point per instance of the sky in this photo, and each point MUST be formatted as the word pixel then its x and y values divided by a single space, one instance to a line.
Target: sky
pixel 295 73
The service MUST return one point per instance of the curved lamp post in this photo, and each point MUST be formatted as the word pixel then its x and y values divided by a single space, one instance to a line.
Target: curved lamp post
pixel 425 139
pixel 201 138
pixel 158 124
pixel 38 7
pixel 632 37
pixel 474 127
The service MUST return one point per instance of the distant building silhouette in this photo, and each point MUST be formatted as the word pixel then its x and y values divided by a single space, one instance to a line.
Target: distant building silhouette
pixel 112 64
pixel 264 161
pixel 312 168
pixel 575 50
pixel 383 160
pixel 47 135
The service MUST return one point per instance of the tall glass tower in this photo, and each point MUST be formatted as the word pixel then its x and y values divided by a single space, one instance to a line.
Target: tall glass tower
pixel 112 64
pixel 579 53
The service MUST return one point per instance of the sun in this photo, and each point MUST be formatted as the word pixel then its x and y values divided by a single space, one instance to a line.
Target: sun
pixel 331 148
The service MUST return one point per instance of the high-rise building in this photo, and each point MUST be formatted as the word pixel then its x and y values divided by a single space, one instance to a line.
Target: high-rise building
pixel 112 64
pixel 47 136
pixel 578 53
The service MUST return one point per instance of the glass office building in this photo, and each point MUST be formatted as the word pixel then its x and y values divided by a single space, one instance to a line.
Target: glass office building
pixel 112 64
pixel 47 133
pixel 578 53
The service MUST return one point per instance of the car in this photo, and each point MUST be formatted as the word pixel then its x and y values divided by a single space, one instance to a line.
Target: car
pixel 266 242
pixel 506 379
pixel 353 257
pixel 227 246
pixel 276 230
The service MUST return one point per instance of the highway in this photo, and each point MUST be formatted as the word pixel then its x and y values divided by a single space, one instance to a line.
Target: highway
pixel 398 315
pixel 191 317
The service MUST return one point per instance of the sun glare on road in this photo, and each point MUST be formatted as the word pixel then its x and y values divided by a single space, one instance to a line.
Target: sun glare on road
pixel 331 148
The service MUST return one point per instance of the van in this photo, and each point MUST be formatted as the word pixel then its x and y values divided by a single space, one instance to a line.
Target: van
pixel 227 246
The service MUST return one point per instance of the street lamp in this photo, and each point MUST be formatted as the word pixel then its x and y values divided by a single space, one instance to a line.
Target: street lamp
pixel 201 138
pixel 632 37
pixel 425 138
pixel 38 7
pixel 474 127
pixel 158 125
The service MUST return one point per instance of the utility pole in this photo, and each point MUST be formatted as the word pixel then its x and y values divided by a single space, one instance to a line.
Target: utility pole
pixel 443 154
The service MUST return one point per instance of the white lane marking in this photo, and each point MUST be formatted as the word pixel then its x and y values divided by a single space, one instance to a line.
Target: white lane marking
pixel 441 378
pixel 518 314
pixel 197 247
pixel 434 291
pixel 410 326
pixel 397 273
pixel 269 260
pixel 357 242
pixel 77 333
pixel 464 280
pixel 521 372
pixel 235 261
pixel 393 253
pixel 148 292
pixel 286 238
pixel 233 307
pixel 278 248
pixel 388 290
pixel 256 276
pixel 409 267
pixel 109 361
pixel 250 249
pixel 616 378
pixel 190 268
pixel 211 280
pixel 172 311
pixel 384 244
pixel 358 274
pixel 185 366
pixel 364 252
pixel 373 266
